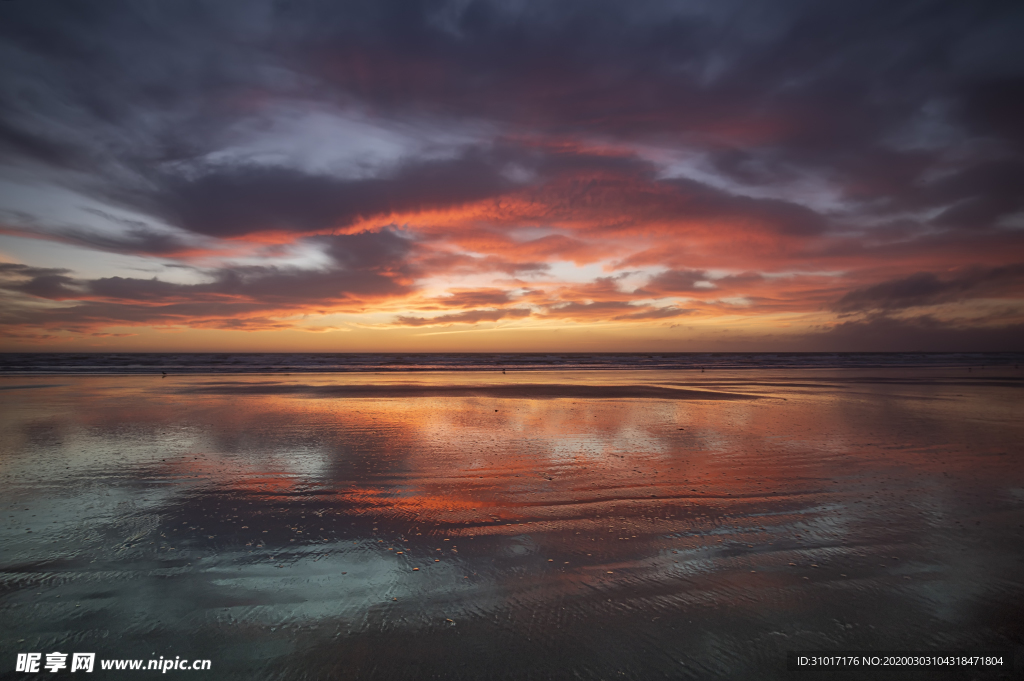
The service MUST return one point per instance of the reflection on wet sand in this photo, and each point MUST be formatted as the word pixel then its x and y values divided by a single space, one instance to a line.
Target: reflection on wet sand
pixel 594 526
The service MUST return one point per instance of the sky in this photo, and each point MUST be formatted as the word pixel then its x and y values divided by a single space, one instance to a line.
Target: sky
pixel 561 175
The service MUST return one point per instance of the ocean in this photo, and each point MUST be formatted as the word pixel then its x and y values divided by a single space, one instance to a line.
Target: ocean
pixel 512 516
pixel 259 363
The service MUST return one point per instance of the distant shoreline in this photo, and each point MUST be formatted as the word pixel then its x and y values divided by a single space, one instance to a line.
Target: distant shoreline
pixel 398 363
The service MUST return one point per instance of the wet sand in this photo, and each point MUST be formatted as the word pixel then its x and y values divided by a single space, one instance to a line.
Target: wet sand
pixel 603 525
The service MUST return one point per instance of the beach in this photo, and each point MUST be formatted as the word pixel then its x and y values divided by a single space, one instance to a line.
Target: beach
pixel 520 525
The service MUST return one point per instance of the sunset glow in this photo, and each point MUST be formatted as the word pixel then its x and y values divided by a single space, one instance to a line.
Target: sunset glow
pixel 465 176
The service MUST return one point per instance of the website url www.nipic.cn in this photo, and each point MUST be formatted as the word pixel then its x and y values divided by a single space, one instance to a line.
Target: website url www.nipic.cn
pixel 86 662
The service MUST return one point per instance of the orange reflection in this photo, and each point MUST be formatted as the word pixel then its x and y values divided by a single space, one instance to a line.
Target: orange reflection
pixel 606 468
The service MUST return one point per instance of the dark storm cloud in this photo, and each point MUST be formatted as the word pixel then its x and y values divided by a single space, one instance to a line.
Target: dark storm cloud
pixel 93 86
pixel 802 81
pixel 696 201
pixel 820 85
pixel 383 251
pixel 17 141
pixel 918 334
pixel 14 271
pixel 369 266
pixel 996 105
pixel 234 201
pixel 123 288
pixel 629 196
pixel 781 88
pixel 980 194
pixel 619 67
pixel 40 282
pixel 928 288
